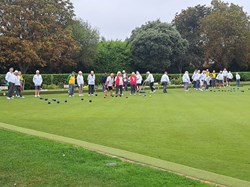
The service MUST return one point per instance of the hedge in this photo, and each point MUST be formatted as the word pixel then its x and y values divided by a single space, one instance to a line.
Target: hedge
pixel 60 79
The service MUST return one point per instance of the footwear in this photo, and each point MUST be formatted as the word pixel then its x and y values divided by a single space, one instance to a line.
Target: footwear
pixel 8 98
pixel 38 95
pixel 22 97
pixel 154 91
pixel 70 96
pixel 35 95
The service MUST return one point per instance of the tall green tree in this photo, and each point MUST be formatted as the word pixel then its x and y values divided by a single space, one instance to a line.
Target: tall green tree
pixel 88 39
pixel 226 34
pixel 155 46
pixel 36 32
pixel 188 23
pixel 113 56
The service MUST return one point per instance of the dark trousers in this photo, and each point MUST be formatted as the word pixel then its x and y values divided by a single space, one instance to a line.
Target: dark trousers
pixel 91 89
pixel 194 83
pixel 164 84
pixel 207 86
pixel 152 86
pixel 238 83
pixel 213 82
pixel 197 85
pixel 71 89
pixel 133 89
pixel 119 88
pixel 18 91
pixel 125 86
pixel 104 87
pixel 11 89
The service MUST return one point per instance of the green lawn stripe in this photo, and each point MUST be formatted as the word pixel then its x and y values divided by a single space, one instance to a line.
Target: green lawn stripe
pixel 170 166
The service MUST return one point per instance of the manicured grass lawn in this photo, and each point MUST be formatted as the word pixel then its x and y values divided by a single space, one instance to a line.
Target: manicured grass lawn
pixel 30 161
pixel 204 130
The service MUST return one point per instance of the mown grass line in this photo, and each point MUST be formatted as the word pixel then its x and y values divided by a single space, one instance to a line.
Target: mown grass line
pixel 169 166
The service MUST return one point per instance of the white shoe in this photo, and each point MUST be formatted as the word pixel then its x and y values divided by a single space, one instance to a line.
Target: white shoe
pixel 35 95
pixel 38 95
pixel 8 98
pixel 70 96
pixel 154 91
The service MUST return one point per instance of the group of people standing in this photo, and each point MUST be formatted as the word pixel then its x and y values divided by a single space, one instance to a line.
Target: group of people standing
pixel 205 79
pixel 14 80
pixel 201 80
pixel 110 83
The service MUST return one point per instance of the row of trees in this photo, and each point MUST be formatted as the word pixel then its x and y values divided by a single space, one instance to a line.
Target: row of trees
pixel 44 34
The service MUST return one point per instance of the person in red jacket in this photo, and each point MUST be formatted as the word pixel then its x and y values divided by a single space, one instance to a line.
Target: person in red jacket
pixel 119 83
pixel 132 80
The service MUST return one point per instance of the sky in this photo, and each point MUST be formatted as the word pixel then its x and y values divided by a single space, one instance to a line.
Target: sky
pixel 115 19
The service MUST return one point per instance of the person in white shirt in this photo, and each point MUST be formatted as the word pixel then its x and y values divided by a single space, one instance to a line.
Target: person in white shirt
pixel 138 81
pixel 80 82
pixel 186 80
pixel 194 78
pixel 220 79
pixel 91 83
pixel 207 82
pixel 10 78
pixel 225 73
pixel 150 79
pixel 229 78
pixel 125 80
pixel 197 80
pixel 37 80
pixel 109 84
pixel 202 79
pixel 18 85
pixel 164 81
pixel 237 79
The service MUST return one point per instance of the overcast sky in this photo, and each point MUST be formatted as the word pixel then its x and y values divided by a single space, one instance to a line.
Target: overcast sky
pixel 115 19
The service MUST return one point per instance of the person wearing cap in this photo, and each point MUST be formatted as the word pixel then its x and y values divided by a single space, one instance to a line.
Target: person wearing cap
pixel 119 83
pixel 91 83
pixel 138 81
pixel 186 80
pixel 150 79
pixel 18 85
pixel 132 80
pixel 71 81
pixel 37 80
pixel 109 84
pixel 125 80
pixel 80 82
pixel 164 81
pixel 10 78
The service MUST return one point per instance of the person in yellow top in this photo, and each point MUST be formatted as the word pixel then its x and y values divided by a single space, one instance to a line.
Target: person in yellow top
pixel 71 80
pixel 21 79
pixel 207 73
pixel 214 79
